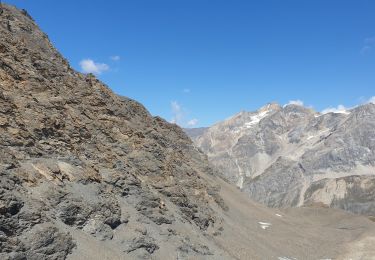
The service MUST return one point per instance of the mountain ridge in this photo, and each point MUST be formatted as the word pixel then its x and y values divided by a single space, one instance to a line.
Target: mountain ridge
pixel 276 154
pixel 87 174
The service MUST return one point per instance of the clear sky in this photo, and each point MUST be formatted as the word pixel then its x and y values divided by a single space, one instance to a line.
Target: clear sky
pixel 201 61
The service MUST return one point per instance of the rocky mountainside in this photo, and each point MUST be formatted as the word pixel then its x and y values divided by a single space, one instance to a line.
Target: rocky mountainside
pixel 88 174
pixel 294 156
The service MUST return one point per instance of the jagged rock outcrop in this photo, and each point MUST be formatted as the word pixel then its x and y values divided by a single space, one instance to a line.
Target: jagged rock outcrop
pixel 294 156
pixel 87 174
pixel 81 154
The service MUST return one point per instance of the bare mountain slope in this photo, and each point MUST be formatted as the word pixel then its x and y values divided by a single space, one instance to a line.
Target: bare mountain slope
pixel 87 174
pixel 294 156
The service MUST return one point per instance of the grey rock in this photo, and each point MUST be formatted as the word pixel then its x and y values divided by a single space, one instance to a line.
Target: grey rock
pixel 47 243
pixel 188 247
pixel 145 242
pixel 289 156
pixel 82 169
pixel 79 157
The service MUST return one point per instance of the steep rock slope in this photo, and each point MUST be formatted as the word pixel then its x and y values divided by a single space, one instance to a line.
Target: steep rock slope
pixel 74 152
pixel 294 156
pixel 87 174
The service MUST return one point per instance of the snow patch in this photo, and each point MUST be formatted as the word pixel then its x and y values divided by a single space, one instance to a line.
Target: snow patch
pixel 240 181
pixel 319 134
pixel 255 119
pixel 236 131
pixel 278 215
pixel 264 225
pixel 240 175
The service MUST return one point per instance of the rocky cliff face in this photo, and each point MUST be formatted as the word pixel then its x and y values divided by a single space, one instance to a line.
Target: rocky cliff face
pixel 87 174
pixel 294 156
pixel 72 152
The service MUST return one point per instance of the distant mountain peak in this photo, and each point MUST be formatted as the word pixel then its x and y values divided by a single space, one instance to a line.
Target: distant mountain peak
pixel 88 174
pixel 315 147
pixel 270 107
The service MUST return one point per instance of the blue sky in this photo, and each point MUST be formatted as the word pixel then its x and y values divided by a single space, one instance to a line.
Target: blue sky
pixel 201 61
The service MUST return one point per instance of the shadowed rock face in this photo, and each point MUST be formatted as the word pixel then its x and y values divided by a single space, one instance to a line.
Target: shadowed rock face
pixel 293 156
pixel 87 174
